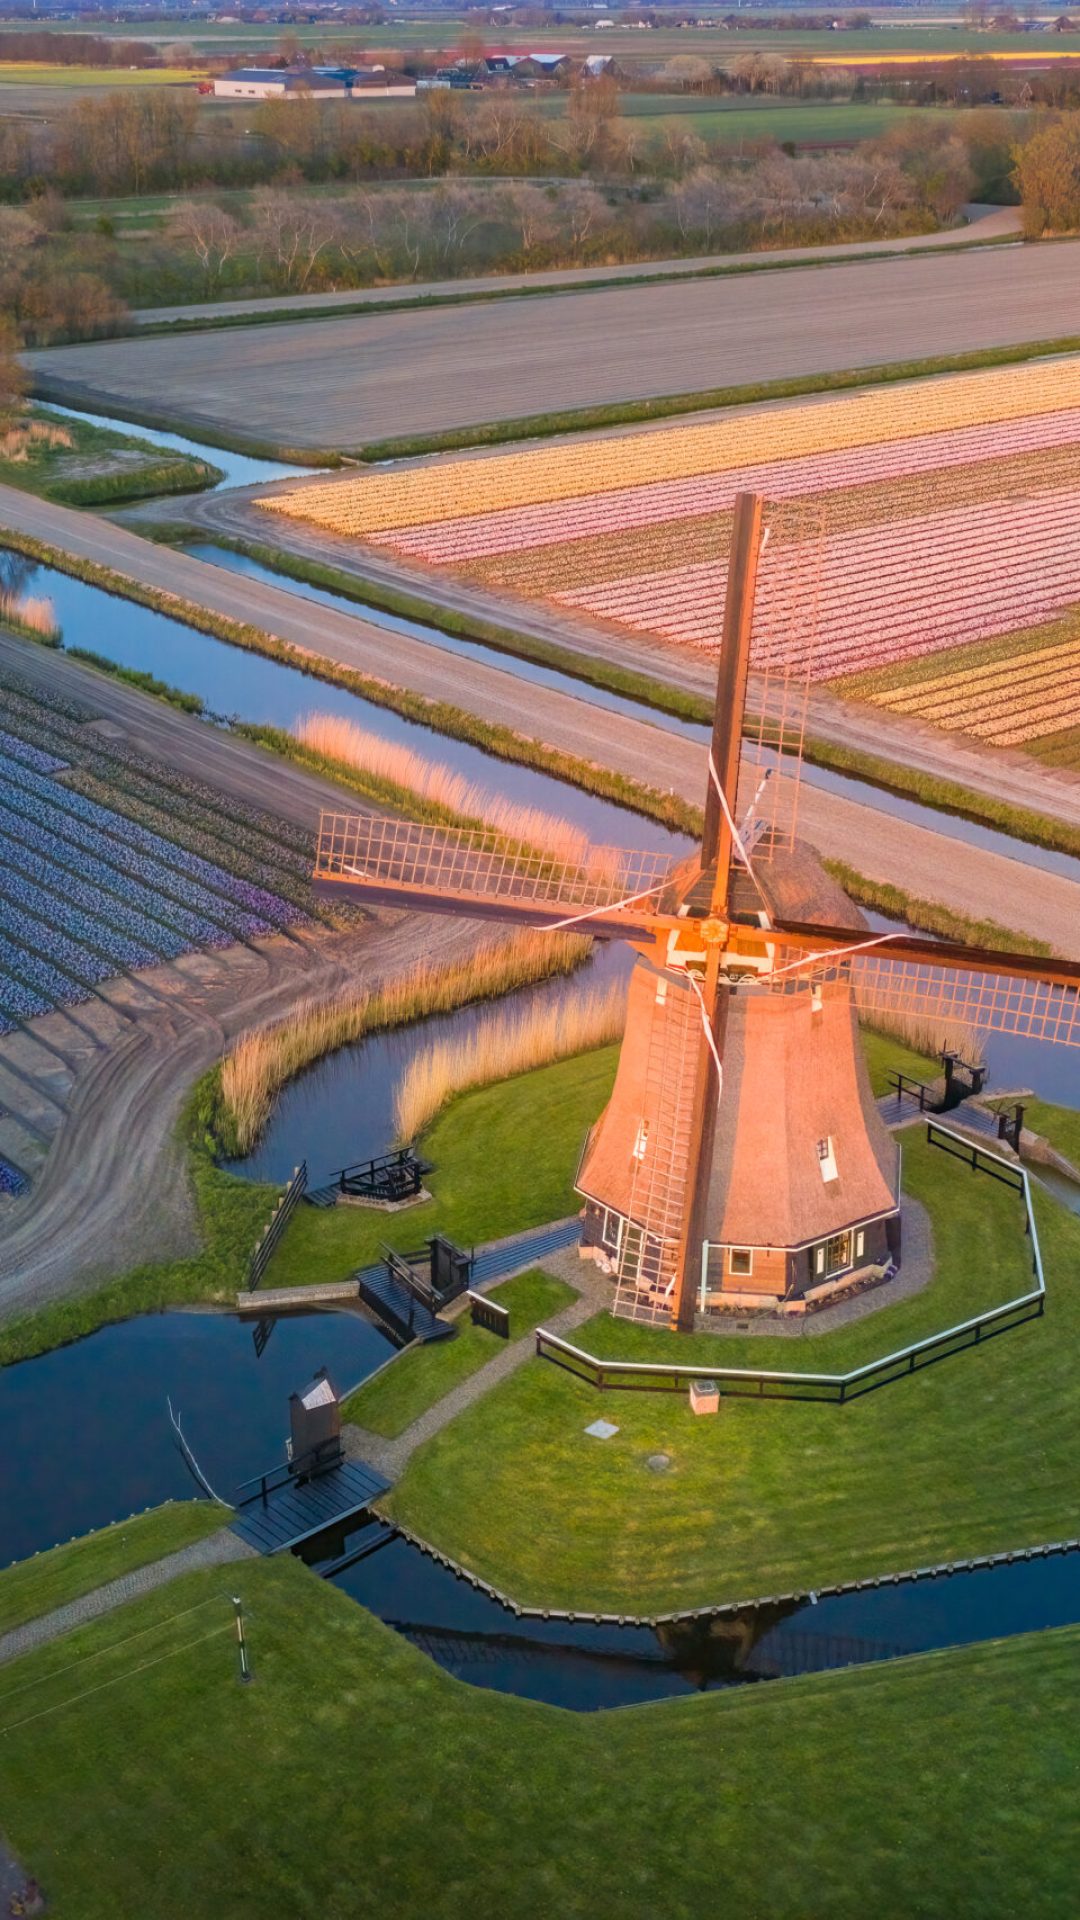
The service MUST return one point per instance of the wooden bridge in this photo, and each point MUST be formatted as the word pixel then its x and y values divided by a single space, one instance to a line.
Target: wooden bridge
pixel 283 1512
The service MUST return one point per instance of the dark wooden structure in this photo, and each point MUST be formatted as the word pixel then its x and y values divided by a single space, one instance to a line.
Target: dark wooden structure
pixel 284 1510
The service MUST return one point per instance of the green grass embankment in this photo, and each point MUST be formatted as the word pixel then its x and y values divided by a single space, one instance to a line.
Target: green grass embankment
pixel 774 1497
pixel 537 426
pixel 422 1375
pixel 942 1785
pixel 35 1587
pixel 52 471
pixel 1059 1125
pixel 930 916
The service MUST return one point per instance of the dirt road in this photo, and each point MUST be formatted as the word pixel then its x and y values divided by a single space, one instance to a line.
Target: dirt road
pixel 999 224
pixel 338 383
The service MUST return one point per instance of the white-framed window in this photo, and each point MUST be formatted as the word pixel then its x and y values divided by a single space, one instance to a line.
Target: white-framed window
pixel 740 1262
pixel 641 1140
pixel 826 1153
pixel 611 1230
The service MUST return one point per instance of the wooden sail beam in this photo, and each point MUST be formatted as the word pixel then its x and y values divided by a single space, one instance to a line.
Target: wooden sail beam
pixel 729 714
pixel 716 851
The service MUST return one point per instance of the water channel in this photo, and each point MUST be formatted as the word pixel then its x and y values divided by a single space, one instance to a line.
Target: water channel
pixel 235 684
pixel 99 1406
pixel 237 469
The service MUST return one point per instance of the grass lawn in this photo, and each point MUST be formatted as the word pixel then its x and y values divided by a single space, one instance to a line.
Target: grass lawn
pixel 355 1779
pixel 972 1455
pixel 25 73
pixel 33 1587
pixel 1059 1125
pixel 504 1160
pixel 886 1056
pixel 407 1386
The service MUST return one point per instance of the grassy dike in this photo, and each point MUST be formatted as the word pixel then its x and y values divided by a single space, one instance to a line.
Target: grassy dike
pixel 941 1786
pixel 970 1456
pixel 538 426
pixel 37 1586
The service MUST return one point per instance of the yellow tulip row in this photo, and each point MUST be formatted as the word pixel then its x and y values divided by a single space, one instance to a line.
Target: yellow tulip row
pixel 374 503
pixel 1035 693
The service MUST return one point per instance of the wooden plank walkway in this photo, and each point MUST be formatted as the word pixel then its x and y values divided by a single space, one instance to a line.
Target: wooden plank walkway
pixel 289 1514
pixel 272 1299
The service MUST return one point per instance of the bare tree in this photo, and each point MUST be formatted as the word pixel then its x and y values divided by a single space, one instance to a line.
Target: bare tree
pixel 294 232
pixel 535 216
pixel 212 234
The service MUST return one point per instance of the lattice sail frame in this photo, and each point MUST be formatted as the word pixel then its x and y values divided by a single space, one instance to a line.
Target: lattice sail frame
pixel 465 864
pixel 958 996
pixel 787 619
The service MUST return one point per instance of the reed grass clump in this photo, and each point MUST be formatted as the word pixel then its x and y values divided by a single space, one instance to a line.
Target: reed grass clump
pixel 932 1037
pixel 437 785
pixel 32 615
pixel 17 442
pixel 261 1063
pixel 503 1046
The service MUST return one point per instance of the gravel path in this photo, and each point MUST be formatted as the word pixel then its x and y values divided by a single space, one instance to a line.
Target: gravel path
pixel 984 223
pixel 343 382
pixel 217 1550
pixel 390 1456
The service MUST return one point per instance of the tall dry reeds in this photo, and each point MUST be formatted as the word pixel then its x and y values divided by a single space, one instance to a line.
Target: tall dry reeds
pixel 504 1045
pixel 438 785
pixel 925 1034
pixel 261 1063
pixel 31 614
pixel 18 441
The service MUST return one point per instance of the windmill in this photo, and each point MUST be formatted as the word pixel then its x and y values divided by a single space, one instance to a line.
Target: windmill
pixel 741 1156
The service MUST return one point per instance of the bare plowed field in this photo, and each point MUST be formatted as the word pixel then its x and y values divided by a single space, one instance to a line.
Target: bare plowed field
pixel 339 383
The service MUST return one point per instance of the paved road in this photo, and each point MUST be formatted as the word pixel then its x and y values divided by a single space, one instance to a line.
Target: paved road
pixel 984 223
pixel 1010 776
pixel 923 862
pixel 338 383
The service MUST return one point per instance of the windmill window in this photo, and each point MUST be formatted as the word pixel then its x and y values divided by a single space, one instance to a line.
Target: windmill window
pixel 815 1000
pixel 661 992
pixel 741 1262
pixel 641 1140
pixel 826 1153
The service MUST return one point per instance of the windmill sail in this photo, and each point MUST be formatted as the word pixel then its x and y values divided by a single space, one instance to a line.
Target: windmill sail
pixel 960 986
pixel 482 872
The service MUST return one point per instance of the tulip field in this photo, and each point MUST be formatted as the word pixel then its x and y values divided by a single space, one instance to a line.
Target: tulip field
pixel 950 510
pixel 112 864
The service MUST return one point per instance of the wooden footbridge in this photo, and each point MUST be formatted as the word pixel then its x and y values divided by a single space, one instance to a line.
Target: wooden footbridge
pixel 284 1510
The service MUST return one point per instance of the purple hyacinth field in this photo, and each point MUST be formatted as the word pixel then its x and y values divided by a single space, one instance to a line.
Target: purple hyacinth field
pixel 112 864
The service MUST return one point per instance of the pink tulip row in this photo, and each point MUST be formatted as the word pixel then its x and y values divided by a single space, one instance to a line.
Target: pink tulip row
pixel 514 529
pixel 886 592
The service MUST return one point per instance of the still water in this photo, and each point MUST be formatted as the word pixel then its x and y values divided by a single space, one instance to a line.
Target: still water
pixel 342 1109
pixel 237 469
pixel 89 1424
pixel 246 686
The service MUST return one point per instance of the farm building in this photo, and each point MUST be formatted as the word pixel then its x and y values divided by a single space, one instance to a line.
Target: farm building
pixel 322 83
